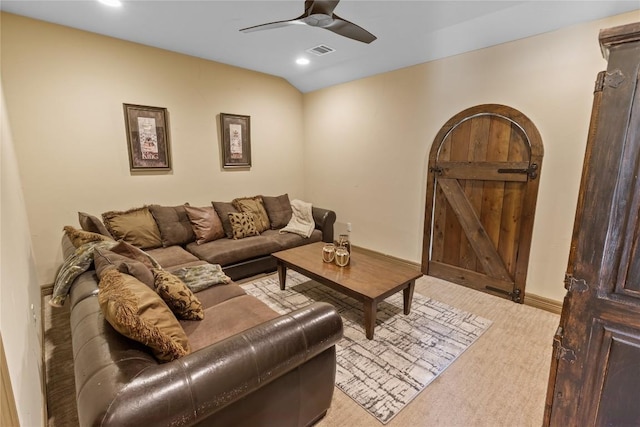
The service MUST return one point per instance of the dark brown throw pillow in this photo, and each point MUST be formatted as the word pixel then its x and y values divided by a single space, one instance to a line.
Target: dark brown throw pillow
pixel 178 296
pixel 243 225
pixel 224 209
pixel 254 206
pixel 105 259
pixel 92 224
pixel 135 226
pixel 125 249
pixel 279 210
pixel 206 224
pixel 80 237
pixel 139 313
pixel 173 223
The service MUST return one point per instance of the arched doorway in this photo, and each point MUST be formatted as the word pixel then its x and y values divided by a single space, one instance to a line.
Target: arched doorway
pixel 482 187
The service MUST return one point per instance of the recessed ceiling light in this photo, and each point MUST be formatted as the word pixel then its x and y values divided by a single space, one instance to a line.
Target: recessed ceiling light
pixel 112 3
pixel 302 61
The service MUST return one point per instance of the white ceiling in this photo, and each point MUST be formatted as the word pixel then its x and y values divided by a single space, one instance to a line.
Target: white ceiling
pixel 409 32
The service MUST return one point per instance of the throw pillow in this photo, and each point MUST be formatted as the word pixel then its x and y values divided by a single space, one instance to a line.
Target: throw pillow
pixel 278 209
pixel 224 209
pixel 173 223
pixel 92 224
pixel 255 206
pixel 242 225
pixel 80 237
pixel 200 277
pixel 206 224
pixel 178 296
pixel 125 249
pixel 105 259
pixel 137 312
pixel 135 226
pixel 73 266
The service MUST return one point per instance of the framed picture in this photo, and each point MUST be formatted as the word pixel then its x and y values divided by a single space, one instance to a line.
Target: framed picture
pixel 236 141
pixel 147 137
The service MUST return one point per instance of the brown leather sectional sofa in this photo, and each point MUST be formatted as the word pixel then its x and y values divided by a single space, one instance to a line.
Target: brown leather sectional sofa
pixel 248 366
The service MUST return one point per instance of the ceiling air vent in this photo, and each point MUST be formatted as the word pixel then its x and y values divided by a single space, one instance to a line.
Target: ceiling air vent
pixel 320 50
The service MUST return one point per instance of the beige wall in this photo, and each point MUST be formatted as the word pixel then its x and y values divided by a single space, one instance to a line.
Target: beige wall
pixel 19 288
pixel 368 141
pixel 65 89
pixel 360 148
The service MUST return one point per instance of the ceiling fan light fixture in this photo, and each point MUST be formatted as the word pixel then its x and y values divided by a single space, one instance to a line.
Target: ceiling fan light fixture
pixel 302 61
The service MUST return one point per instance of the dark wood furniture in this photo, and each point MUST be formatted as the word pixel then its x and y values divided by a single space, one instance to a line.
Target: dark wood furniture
pixel 367 278
pixel 595 369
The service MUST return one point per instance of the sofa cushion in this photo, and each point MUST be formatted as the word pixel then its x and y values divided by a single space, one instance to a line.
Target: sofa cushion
pixel 137 312
pixel 278 209
pixel 80 237
pixel 226 319
pixel 243 225
pixel 254 206
pixel 105 259
pixel 224 209
pixel 93 224
pixel 227 251
pixel 173 223
pixel 172 256
pixel 135 226
pixel 291 240
pixel 216 294
pixel 177 295
pixel 206 223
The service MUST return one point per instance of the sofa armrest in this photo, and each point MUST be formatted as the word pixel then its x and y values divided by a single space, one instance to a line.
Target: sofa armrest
pixel 194 387
pixel 324 219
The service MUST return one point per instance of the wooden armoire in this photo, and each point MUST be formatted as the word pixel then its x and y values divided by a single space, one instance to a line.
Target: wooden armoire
pixel 595 369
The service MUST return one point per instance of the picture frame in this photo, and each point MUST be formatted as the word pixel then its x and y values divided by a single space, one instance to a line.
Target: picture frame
pixel 147 138
pixel 236 140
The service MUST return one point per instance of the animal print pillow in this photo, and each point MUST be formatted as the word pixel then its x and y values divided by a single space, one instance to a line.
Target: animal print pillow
pixel 243 225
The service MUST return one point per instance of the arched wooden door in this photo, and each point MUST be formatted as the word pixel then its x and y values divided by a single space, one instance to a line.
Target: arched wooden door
pixel 482 187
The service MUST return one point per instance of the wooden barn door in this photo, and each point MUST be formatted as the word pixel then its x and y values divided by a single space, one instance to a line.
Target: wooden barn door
pixel 482 187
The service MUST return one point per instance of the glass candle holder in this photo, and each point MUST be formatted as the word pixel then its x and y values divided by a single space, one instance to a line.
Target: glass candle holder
pixel 328 252
pixel 343 240
pixel 342 256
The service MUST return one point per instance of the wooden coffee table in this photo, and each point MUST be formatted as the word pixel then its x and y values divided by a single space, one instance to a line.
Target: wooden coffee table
pixel 367 278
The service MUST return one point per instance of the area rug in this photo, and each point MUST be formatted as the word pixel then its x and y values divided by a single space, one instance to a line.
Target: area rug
pixel 408 351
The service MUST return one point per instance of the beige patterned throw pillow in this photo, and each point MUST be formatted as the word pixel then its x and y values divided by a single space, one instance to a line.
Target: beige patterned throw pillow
pixel 177 295
pixel 242 225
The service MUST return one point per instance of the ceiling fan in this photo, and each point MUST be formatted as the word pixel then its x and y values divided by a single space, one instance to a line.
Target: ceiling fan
pixel 319 13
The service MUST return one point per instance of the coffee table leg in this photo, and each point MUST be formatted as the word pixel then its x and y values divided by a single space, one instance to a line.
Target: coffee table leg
pixel 370 312
pixel 282 275
pixel 407 293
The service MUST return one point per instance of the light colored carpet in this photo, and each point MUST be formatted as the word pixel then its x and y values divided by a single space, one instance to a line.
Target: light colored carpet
pixel 406 353
pixel 500 381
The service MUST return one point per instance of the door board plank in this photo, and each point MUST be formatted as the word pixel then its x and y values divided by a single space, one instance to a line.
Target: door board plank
pixel 468 278
pixel 478 238
pixel 483 171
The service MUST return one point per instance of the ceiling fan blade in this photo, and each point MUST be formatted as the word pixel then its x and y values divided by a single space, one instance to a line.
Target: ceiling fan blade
pixel 271 25
pixel 324 7
pixel 349 29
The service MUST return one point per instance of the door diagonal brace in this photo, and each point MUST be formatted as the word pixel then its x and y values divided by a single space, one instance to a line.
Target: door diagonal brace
pixel 476 234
